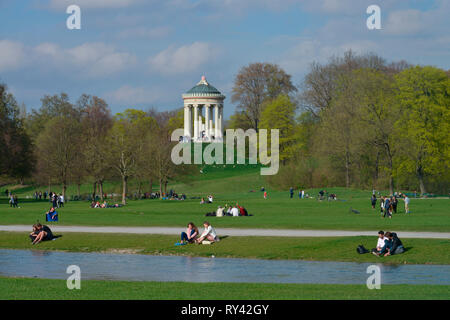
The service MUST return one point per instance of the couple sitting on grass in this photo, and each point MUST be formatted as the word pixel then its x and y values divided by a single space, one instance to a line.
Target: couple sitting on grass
pixel 388 244
pixel 191 234
pixel 41 233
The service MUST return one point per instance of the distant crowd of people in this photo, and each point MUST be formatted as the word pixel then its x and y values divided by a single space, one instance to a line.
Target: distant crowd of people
pixel 97 204
pixel 389 204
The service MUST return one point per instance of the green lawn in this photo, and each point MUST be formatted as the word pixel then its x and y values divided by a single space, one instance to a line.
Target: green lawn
pixel 231 184
pixel 24 288
pixel 277 212
pixel 419 251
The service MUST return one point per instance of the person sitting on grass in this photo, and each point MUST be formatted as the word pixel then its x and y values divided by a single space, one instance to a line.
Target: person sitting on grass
pixel 190 234
pixel 235 211
pixel 51 215
pixel 391 246
pixel 380 243
pixel 209 233
pixel 43 234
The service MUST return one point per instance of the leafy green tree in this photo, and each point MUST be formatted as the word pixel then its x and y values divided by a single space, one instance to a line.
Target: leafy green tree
pixel 279 113
pixel 423 124
pixel 16 156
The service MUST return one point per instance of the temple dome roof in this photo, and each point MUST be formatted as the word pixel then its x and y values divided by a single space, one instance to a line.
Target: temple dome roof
pixel 203 88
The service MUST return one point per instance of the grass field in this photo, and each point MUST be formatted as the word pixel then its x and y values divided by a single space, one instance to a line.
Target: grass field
pixel 419 251
pixel 230 185
pixel 24 288
pixel 278 212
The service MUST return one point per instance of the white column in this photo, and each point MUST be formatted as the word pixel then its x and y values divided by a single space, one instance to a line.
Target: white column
pixel 220 121
pixel 190 121
pixel 207 114
pixel 200 121
pixel 216 121
pixel 211 126
pixel 196 122
pixel 186 123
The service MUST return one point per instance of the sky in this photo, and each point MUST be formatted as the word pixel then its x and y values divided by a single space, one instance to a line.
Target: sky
pixel 147 53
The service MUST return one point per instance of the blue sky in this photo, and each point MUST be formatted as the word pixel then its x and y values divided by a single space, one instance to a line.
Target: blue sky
pixel 141 54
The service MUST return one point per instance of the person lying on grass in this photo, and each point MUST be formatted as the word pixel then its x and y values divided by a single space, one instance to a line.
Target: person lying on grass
pixel 391 246
pixel 190 234
pixel 209 233
pixel 41 233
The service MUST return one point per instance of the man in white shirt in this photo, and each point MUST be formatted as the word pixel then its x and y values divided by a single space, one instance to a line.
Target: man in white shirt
pixel 235 211
pixel 380 242
pixel 209 233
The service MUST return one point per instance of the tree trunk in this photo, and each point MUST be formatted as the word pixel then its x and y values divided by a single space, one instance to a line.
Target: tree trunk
pixel 420 177
pixel 94 190
pixel 139 188
pixel 124 189
pixel 347 170
pixel 151 185
pixel 376 172
pixel 78 190
pixel 100 183
pixel 391 176
pixel 165 187
pixel 64 188
pixel 160 189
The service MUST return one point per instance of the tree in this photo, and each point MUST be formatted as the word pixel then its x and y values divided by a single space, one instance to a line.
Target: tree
pixel 257 83
pixel 374 93
pixel 424 122
pixel 96 122
pixel 319 87
pixel 16 157
pixel 279 113
pixel 59 148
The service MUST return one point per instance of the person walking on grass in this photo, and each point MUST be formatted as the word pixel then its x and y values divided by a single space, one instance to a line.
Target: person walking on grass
pixel 387 205
pixel 373 200
pixel 406 199
pixel 265 195
pixel 291 192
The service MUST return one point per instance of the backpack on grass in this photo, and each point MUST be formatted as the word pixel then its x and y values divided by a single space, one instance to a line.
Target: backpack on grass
pixel 361 249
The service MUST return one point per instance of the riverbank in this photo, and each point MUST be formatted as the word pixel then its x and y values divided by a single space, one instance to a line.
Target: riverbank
pixel 419 251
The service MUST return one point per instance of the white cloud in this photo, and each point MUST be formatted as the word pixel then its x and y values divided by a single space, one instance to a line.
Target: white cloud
pixel 298 59
pixel 405 22
pixel 129 95
pixel 143 32
pixel 183 59
pixel 12 55
pixel 92 59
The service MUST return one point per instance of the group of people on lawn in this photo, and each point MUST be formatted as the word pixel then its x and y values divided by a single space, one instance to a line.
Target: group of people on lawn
pixel 388 205
pixel 97 204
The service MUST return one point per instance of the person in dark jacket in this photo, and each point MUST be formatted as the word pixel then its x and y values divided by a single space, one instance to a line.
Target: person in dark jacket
pixel 392 246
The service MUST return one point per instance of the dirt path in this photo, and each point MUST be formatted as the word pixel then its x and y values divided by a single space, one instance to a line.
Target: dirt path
pixel 229 232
